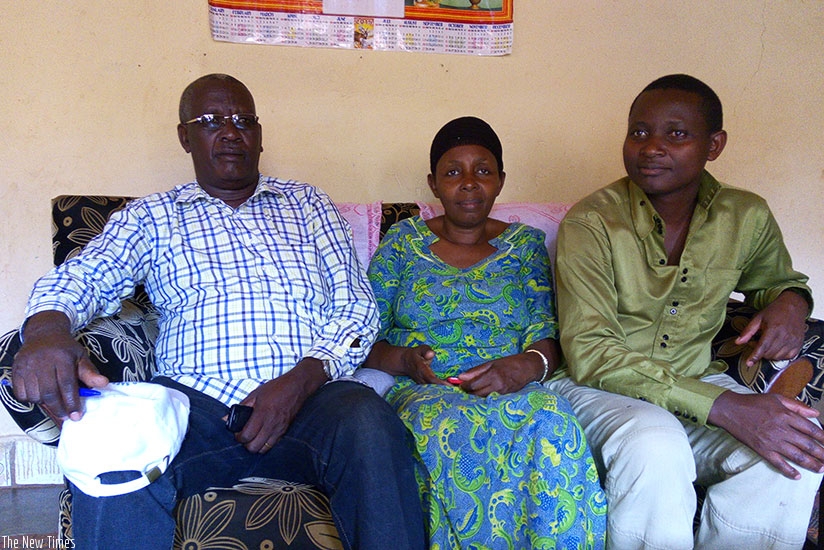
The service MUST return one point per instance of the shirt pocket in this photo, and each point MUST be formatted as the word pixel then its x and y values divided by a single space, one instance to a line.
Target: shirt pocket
pixel 198 271
pixel 296 266
pixel 719 284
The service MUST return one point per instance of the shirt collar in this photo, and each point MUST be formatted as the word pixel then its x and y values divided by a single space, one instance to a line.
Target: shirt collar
pixel 708 190
pixel 641 210
pixel 646 219
pixel 267 185
pixel 191 192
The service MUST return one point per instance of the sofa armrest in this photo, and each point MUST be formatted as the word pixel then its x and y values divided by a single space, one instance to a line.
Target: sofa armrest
pixel 120 346
pixel 767 375
pixel 29 417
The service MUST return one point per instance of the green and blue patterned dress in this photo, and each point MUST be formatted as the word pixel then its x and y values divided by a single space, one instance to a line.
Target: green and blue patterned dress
pixel 505 471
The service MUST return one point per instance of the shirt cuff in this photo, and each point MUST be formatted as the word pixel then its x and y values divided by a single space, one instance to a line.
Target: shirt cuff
pixel 51 305
pixel 341 360
pixel 692 399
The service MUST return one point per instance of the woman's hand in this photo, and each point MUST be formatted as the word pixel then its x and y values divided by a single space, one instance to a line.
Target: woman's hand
pixel 505 375
pixel 417 365
pixel 513 372
pixel 414 362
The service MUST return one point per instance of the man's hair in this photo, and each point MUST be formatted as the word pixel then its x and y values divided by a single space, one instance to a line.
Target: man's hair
pixel 185 109
pixel 710 103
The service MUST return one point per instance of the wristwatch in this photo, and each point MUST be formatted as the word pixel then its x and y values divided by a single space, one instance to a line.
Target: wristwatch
pixel 326 368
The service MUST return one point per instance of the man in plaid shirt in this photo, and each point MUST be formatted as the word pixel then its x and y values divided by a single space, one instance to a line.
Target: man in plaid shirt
pixel 262 301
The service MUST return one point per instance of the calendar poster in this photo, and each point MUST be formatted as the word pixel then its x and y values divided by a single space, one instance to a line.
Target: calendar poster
pixel 469 27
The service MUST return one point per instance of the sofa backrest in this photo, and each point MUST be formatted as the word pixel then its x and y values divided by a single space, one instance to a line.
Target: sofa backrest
pixel 78 218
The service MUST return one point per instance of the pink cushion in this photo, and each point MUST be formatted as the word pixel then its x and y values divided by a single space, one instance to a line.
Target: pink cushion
pixel 365 220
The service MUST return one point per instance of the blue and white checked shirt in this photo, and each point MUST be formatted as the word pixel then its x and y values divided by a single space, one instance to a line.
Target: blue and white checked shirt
pixel 243 294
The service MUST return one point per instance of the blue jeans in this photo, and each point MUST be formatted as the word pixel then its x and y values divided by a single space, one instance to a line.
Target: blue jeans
pixel 345 440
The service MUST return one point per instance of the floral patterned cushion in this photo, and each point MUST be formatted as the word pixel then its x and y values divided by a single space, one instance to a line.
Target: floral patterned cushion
pixel 396 211
pixel 268 512
pixel 254 513
pixel 78 218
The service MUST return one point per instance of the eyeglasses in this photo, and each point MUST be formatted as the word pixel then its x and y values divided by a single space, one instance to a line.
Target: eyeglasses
pixel 213 123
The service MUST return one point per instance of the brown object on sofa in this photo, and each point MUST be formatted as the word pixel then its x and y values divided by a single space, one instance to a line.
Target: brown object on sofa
pixel 793 379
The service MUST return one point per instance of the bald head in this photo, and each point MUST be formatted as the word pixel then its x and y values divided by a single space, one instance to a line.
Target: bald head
pixel 185 110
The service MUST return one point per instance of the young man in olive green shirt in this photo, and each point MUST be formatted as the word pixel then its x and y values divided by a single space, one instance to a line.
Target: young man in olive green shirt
pixel 645 268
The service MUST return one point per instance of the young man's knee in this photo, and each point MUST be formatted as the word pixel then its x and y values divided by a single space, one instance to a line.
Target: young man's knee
pixel 653 452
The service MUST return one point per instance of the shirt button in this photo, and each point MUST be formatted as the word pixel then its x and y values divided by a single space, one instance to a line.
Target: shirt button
pixel 673 311
pixel 662 262
pixel 663 344
pixel 685 271
pixel 683 279
pixel 665 337
pixel 675 303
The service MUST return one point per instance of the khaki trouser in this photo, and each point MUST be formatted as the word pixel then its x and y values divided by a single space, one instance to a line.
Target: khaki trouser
pixel 648 460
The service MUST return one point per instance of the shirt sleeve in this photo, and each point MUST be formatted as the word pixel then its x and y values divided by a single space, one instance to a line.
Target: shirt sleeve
pixel 95 282
pixel 592 337
pixel 351 322
pixel 769 272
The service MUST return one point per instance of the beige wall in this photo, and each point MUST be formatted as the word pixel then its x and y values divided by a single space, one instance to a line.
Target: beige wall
pixel 90 94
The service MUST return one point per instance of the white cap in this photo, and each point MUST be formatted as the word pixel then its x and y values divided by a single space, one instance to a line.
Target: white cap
pixel 131 426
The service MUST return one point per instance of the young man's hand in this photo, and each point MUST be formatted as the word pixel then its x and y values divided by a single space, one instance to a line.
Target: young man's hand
pixel 777 428
pixel 777 331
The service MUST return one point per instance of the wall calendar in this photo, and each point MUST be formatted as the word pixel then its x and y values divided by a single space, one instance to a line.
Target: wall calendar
pixel 469 27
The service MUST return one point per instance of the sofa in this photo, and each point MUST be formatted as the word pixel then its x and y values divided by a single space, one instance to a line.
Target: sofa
pixel 270 513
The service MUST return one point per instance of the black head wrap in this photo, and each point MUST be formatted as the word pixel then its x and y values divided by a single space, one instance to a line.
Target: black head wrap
pixel 466 130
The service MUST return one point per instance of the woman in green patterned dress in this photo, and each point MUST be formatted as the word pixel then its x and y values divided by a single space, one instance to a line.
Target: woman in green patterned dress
pixel 468 329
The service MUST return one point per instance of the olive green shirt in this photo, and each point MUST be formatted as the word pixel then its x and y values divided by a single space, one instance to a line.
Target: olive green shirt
pixel 633 325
